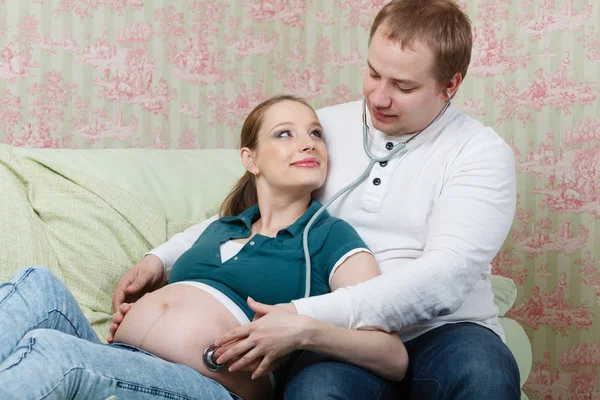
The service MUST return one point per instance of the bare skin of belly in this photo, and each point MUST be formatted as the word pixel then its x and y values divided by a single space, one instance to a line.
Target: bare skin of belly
pixel 176 323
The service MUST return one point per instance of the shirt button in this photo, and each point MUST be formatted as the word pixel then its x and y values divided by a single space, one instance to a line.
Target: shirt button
pixel 235 258
pixel 243 218
pixel 389 145
pixel 217 256
pixel 252 243
pixel 383 163
pixel 376 181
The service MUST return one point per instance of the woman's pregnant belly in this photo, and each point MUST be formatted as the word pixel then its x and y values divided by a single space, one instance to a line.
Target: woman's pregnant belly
pixel 176 323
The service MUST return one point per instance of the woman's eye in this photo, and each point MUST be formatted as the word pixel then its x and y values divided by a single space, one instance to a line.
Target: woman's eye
pixel 284 134
pixel 317 133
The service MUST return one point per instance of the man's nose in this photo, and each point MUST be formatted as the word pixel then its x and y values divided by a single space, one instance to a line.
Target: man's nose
pixel 380 97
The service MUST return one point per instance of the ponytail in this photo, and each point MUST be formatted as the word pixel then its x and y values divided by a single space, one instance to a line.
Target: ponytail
pixel 242 196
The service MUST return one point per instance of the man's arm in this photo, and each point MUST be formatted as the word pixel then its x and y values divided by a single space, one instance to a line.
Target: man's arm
pixel 468 224
pixel 278 332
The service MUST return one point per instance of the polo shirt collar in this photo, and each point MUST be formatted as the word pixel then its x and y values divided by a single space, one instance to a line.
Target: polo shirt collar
pixel 297 228
pixel 248 217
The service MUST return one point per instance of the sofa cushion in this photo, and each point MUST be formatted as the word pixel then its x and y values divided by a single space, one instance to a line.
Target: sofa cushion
pixel 86 230
pixel 187 185
pixel 505 293
pixel 518 343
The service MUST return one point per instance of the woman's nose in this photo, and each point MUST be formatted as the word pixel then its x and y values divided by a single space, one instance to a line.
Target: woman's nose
pixel 309 144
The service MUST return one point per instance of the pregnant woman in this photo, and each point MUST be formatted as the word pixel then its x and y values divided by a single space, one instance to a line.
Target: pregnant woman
pixel 191 290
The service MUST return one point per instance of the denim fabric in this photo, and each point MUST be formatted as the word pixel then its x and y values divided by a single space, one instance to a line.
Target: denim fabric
pixel 455 361
pixel 49 350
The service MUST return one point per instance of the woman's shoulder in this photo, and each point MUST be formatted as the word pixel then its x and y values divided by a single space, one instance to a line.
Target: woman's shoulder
pixel 336 227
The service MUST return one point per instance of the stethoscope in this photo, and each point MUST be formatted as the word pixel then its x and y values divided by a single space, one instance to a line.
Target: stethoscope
pixel 207 356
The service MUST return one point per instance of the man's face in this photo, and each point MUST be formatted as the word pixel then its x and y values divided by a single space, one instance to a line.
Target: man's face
pixel 400 88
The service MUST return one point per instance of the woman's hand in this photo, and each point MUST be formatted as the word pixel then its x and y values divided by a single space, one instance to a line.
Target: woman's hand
pixel 276 333
pixel 117 318
pixel 144 277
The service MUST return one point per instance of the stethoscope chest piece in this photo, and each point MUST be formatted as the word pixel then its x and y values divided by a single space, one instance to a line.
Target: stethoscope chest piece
pixel 207 358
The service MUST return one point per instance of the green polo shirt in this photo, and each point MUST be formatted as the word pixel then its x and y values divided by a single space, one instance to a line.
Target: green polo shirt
pixel 270 270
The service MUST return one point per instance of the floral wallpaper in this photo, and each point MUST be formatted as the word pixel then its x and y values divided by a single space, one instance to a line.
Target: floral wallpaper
pixel 183 74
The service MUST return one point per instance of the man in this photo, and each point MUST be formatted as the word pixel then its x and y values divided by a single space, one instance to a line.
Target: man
pixel 434 216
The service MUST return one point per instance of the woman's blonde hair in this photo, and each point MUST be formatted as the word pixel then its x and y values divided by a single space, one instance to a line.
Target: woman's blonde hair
pixel 243 195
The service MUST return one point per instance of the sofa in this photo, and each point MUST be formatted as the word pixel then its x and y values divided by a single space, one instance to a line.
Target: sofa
pixel 89 215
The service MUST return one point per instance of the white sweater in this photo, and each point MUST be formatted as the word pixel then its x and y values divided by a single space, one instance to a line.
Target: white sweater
pixel 440 213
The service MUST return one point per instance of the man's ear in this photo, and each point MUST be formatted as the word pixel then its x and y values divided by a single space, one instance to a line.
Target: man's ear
pixel 248 160
pixel 453 84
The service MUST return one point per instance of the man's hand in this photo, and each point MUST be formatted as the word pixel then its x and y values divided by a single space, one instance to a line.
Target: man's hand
pixel 289 307
pixel 276 333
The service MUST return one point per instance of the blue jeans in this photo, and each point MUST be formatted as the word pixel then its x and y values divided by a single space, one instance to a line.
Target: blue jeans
pixel 455 361
pixel 49 350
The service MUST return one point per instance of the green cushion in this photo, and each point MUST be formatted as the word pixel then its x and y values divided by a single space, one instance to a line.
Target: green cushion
pixel 187 185
pixel 86 230
pixel 89 215
pixel 518 343
pixel 505 293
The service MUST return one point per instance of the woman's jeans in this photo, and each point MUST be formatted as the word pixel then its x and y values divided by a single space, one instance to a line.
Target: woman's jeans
pixel 455 361
pixel 48 350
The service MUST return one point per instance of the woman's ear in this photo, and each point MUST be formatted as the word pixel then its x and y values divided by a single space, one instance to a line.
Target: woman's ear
pixel 248 161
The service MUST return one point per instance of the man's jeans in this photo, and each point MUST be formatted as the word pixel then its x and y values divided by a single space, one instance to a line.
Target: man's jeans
pixel 49 350
pixel 455 361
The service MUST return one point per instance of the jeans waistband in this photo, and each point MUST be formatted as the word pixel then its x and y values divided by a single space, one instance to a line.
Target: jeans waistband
pixel 134 349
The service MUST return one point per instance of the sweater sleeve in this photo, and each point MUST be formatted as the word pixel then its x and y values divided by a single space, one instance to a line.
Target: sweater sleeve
pixel 469 222
pixel 170 251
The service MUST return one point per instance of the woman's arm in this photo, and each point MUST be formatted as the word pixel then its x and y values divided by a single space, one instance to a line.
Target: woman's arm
pixel 181 242
pixel 278 332
pixel 152 272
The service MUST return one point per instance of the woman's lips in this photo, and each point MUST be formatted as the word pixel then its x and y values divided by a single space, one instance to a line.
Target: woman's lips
pixel 306 163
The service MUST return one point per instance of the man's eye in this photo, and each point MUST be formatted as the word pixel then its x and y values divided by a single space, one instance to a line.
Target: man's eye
pixel 405 90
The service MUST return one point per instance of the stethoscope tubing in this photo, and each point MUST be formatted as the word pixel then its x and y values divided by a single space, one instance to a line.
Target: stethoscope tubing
pixel 207 356
pixel 373 159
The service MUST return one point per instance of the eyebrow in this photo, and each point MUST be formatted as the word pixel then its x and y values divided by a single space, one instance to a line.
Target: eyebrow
pixel 403 81
pixel 313 124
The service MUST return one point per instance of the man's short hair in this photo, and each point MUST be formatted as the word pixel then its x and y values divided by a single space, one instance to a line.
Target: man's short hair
pixel 438 24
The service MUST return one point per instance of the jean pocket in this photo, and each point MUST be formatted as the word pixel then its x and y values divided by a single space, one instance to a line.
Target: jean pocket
pixel 235 396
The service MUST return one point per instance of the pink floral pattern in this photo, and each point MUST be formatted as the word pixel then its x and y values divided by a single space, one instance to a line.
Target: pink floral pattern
pixel 184 74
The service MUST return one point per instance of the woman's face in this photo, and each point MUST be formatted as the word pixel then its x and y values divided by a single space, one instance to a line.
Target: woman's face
pixel 290 155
